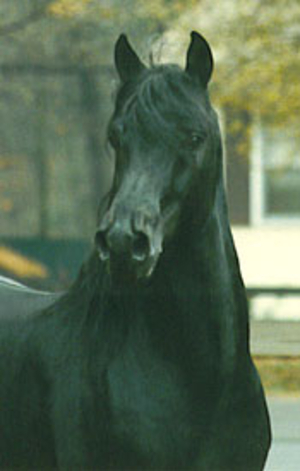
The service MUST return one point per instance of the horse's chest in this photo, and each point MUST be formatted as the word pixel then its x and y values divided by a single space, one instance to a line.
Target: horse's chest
pixel 152 414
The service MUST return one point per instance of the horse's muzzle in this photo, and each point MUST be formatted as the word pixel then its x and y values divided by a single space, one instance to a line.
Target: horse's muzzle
pixel 128 248
pixel 137 245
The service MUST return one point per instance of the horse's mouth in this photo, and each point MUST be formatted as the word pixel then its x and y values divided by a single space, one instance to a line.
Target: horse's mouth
pixel 125 274
pixel 131 257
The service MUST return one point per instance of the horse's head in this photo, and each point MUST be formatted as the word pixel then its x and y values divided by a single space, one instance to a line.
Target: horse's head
pixel 161 134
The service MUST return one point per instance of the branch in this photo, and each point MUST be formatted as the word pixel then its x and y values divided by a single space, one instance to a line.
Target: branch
pixel 19 25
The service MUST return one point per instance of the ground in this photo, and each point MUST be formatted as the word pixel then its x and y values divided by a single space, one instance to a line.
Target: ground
pixel 280 375
pixel 285 418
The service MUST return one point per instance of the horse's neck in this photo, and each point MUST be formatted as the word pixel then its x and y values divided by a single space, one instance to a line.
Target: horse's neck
pixel 203 245
pixel 203 276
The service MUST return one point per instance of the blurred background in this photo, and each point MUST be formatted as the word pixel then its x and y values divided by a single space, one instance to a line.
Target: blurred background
pixel 57 83
pixel 56 92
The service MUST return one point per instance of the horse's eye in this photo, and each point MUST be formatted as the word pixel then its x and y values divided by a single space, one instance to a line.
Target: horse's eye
pixel 195 141
pixel 114 139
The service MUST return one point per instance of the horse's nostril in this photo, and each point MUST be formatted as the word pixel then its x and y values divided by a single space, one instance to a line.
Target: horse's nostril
pixel 140 246
pixel 102 245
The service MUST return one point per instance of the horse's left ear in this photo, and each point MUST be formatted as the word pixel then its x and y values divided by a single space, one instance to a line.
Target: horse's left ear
pixel 127 61
pixel 199 63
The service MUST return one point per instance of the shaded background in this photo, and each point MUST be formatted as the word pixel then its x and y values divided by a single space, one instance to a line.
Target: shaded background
pixel 56 92
pixel 57 84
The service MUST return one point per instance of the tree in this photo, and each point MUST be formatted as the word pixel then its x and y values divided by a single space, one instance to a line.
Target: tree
pixel 56 82
pixel 258 55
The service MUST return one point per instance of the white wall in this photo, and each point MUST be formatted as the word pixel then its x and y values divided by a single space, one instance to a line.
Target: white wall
pixel 270 257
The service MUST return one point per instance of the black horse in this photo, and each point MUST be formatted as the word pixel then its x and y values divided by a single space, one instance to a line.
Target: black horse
pixel 144 363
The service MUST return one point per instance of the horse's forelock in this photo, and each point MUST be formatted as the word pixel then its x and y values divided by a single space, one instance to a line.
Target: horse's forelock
pixel 161 102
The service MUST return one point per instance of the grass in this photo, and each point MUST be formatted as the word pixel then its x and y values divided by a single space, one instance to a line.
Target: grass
pixel 279 375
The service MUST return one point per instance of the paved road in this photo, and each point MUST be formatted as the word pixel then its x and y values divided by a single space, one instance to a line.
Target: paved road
pixel 285 451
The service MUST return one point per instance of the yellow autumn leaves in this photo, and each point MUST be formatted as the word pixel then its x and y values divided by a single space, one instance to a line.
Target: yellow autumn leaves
pixel 68 8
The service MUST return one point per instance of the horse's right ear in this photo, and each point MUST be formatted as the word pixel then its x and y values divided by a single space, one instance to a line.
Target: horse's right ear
pixel 127 62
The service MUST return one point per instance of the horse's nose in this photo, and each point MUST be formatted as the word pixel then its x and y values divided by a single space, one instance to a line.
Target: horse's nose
pixel 135 244
pixel 140 247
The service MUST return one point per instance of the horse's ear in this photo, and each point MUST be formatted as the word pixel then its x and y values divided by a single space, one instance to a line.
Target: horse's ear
pixel 127 62
pixel 199 63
